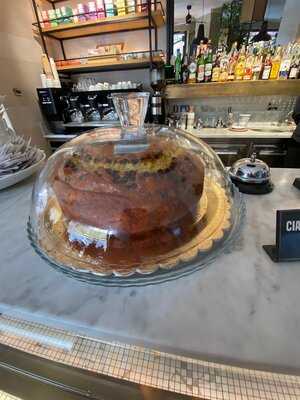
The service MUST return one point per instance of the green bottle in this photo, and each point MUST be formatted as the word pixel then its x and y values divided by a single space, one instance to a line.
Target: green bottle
pixel 178 65
pixel 200 67
pixel 208 66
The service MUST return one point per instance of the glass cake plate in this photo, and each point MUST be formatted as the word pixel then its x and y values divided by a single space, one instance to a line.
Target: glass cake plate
pixel 134 205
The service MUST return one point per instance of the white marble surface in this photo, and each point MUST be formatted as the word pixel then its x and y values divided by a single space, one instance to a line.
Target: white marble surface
pixel 225 133
pixel 242 308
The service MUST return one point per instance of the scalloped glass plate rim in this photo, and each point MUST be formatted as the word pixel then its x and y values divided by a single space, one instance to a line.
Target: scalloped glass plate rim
pixel 160 275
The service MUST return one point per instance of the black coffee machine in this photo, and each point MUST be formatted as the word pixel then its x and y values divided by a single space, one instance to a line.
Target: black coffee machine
pixel 67 112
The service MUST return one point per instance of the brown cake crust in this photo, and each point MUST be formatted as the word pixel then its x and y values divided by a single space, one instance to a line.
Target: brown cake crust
pixel 163 188
pixel 146 201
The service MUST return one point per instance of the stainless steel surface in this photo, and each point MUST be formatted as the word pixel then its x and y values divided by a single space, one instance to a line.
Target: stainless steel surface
pixel 250 170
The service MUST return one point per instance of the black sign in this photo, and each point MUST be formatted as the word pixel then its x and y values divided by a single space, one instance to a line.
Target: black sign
pixel 287 246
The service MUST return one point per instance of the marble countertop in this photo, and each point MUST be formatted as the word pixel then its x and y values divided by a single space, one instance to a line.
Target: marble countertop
pixel 225 133
pixel 242 308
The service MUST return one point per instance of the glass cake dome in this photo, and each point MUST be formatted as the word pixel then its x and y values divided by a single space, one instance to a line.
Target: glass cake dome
pixel 133 205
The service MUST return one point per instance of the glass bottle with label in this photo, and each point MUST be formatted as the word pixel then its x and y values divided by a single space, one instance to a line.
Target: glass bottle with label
pixel 178 64
pixel 232 60
pixel 200 66
pixel 224 67
pixel 184 70
pixel 216 70
pixel 208 65
pixel 276 61
pixel 192 70
pixel 294 70
pixel 249 64
pixel 285 64
pixel 257 66
pixel 267 68
pixel 240 65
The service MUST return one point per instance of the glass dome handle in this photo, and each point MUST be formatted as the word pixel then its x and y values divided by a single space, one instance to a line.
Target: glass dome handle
pixel 131 109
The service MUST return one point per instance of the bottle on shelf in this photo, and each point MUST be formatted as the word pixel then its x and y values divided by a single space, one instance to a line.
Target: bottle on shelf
pixel 131 7
pixel 45 18
pixel 110 8
pixel 232 60
pixel 100 9
pixel 184 70
pixel 224 68
pixel 75 15
pixel 157 101
pixel 192 67
pixel 239 70
pixel 52 17
pixel 200 65
pixel 92 10
pixel 294 70
pixel 267 68
pixel 248 72
pixel 215 76
pixel 285 64
pixel 82 11
pixel 276 61
pixel 141 6
pixel 257 65
pixel 208 65
pixel 178 67
pixel 58 16
pixel 121 7
pixel 190 118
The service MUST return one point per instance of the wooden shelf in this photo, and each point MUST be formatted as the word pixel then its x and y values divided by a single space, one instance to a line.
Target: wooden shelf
pixel 122 23
pixel 244 88
pixel 109 64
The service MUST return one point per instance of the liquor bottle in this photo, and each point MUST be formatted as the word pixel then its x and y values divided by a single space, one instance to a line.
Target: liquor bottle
pixel 192 67
pixel 267 68
pixel 200 66
pixel 240 65
pixel 224 68
pixel 208 65
pixel 257 66
pixel 232 60
pixel 249 64
pixel 294 70
pixel 276 61
pixel 178 65
pixel 184 70
pixel 285 64
pixel 215 76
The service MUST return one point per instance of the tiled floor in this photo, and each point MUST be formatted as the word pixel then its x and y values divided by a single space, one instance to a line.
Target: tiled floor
pixel 147 367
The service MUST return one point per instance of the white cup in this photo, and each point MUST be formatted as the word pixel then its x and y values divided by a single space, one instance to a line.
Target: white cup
pixel 243 120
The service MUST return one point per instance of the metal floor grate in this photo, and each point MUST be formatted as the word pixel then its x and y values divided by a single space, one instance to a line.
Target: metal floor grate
pixel 147 367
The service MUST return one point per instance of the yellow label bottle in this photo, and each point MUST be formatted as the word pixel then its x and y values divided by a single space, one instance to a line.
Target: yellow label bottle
pixel 276 61
pixel 239 70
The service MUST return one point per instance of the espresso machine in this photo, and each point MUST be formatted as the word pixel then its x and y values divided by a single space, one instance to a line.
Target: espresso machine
pixel 67 113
